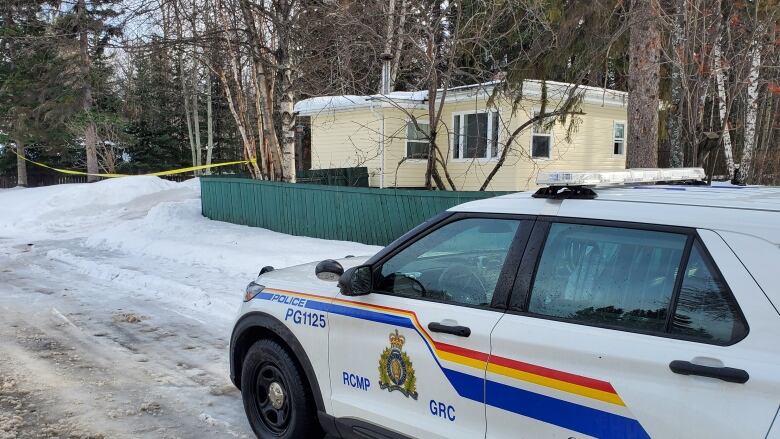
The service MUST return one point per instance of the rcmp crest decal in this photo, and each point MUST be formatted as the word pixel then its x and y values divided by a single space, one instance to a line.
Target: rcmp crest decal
pixel 395 368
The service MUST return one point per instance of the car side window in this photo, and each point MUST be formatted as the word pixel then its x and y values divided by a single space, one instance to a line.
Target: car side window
pixel 706 309
pixel 608 276
pixel 459 262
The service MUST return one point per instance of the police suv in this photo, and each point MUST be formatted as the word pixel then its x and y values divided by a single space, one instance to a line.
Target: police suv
pixel 633 311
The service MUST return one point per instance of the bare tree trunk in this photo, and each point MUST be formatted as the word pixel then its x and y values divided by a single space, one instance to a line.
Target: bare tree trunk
pixel 264 90
pixel 674 117
pixel 194 79
pixel 720 76
pixel 264 111
pixel 237 101
pixel 91 141
pixel 399 45
pixel 90 130
pixel 750 117
pixel 286 103
pixel 643 72
pixel 21 165
pixel 185 92
pixel 430 168
pixel 246 137
pixel 241 117
pixel 389 28
pixel 186 96
pixel 432 52
pixel 265 162
pixel 196 117
pixel 209 26
pixel 764 136
pixel 209 125
pixel 287 108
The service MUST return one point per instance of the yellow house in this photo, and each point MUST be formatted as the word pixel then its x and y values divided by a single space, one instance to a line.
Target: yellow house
pixel 379 132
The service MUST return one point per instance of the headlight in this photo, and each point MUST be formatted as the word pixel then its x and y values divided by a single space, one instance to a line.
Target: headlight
pixel 252 290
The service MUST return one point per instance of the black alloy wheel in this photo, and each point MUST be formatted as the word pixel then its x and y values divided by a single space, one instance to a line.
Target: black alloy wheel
pixel 271 398
pixel 277 400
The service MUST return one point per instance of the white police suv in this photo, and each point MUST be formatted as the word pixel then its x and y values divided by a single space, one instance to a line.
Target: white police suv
pixel 576 312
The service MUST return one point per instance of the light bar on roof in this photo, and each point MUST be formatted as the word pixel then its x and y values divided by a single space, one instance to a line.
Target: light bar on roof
pixel 629 176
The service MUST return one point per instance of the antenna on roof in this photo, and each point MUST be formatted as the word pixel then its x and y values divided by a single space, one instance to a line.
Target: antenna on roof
pixel 576 184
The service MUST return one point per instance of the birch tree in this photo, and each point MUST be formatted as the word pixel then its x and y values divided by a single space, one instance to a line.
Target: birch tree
pixel 747 92
pixel 723 111
pixel 750 115
pixel 209 124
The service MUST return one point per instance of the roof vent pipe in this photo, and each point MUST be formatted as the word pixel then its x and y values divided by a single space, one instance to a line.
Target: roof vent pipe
pixel 385 88
pixel 384 91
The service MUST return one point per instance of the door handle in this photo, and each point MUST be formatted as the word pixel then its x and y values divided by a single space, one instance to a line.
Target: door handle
pixel 729 374
pixel 460 331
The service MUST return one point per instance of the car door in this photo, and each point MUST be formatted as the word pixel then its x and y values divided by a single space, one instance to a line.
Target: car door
pixel 630 331
pixel 410 356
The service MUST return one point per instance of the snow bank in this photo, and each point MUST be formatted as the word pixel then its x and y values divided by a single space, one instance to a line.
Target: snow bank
pixel 64 209
pixel 177 231
pixel 151 218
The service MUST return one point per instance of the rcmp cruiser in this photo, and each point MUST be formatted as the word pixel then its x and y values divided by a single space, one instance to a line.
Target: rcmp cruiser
pixel 624 312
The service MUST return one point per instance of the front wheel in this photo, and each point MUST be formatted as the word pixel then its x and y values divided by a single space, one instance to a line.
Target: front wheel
pixel 276 399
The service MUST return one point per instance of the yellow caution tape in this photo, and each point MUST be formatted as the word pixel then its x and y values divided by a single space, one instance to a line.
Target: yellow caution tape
pixel 155 174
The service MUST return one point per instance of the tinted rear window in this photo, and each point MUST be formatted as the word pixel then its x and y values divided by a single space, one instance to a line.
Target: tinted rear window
pixel 608 275
pixel 625 278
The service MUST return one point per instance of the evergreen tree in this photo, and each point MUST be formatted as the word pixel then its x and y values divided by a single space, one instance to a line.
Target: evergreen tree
pixel 156 126
pixel 153 106
pixel 91 26
pixel 33 102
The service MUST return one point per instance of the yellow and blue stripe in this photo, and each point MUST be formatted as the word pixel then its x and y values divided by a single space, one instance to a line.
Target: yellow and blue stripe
pixel 522 401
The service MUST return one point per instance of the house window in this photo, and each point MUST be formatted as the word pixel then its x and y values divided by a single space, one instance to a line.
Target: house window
pixel 475 135
pixel 541 139
pixel 417 140
pixel 619 138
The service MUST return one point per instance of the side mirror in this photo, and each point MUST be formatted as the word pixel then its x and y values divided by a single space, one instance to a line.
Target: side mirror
pixel 329 270
pixel 265 270
pixel 356 281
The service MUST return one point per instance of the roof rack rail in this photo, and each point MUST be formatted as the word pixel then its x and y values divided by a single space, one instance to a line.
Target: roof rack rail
pixel 576 184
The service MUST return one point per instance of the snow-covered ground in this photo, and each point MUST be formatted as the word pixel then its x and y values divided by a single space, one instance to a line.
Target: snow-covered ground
pixel 116 305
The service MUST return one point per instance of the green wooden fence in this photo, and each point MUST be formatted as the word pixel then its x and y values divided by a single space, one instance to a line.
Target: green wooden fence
pixel 367 215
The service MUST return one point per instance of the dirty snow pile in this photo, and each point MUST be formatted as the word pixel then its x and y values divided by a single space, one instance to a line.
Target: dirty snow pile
pixel 133 229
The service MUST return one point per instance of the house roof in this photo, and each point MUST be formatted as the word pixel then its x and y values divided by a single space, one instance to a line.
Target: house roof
pixel 346 102
pixel 417 99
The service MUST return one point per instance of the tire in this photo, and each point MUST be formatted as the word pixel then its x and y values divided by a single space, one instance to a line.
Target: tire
pixel 267 370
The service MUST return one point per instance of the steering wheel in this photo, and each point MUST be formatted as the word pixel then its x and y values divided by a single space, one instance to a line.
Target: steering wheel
pixel 403 281
pixel 463 284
